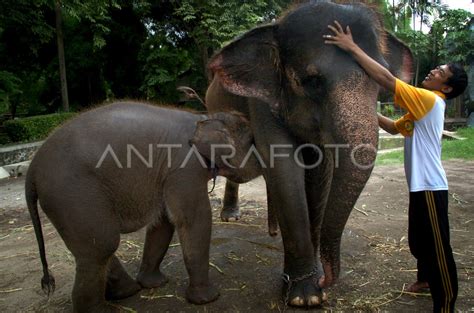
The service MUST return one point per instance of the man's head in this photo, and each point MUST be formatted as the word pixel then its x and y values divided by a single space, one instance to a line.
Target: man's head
pixel 450 79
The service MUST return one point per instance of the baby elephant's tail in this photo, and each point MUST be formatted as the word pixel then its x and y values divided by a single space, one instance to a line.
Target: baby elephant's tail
pixel 47 282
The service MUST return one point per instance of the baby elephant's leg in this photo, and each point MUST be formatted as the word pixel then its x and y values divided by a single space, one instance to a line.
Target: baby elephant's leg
pixel 93 251
pixel 89 287
pixel 119 284
pixel 192 216
pixel 158 238
pixel 93 242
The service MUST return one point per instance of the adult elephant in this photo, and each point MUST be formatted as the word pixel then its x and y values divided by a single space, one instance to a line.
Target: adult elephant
pixel 296 90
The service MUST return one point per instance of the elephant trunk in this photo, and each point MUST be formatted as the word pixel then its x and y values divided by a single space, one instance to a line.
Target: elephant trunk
pixel 355 137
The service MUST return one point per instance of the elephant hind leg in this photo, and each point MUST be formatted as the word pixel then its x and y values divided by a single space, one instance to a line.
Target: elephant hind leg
pixel 158 238
pixel 93 242
pixel 231 208
pixel 89 286
pixel 93 259
pixel 119 283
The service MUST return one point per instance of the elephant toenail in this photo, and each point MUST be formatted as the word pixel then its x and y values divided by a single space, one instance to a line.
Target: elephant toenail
pixel 314 300
pixel 297 301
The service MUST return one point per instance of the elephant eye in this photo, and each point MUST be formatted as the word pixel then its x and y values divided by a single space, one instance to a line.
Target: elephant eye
pixel 314 86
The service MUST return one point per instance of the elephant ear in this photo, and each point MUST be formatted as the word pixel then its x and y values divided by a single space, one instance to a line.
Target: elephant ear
pixel 249 66
pixel 399 58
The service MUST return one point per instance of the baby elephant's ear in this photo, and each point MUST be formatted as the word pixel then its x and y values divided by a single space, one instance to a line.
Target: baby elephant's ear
pixel 234 124
pixel 209 136
pixel 205 136
pixel 250 66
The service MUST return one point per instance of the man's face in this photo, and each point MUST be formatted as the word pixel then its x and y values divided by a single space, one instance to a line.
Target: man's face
pixel 437 78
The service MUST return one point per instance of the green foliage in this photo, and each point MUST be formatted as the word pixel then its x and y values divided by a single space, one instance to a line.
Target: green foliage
pixel 163 65
pixel 388 110
pixel 217 21
pixel 95 13
pixel 9 90
pixel 34 128
pixel 146 48
pixel 457 44
pixel 449 38
pixel 184 34
pixel 397 16
pixel 25 22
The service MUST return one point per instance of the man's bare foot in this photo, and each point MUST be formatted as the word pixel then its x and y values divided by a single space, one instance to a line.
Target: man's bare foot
pixel 418 286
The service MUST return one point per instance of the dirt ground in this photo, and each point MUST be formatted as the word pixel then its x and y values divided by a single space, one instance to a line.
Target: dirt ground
pixel 246 263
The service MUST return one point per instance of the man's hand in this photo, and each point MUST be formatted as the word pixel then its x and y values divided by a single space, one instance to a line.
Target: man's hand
pixel 340 38
pixel 344 41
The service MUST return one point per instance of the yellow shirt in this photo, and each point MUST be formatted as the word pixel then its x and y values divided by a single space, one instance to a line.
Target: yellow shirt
pixel 422 127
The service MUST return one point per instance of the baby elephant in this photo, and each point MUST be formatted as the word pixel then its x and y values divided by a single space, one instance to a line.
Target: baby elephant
pixel 120 167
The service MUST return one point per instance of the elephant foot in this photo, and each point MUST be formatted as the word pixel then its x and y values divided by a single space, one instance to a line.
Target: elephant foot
pixel 202 294
pixel 152 280
pixel 121 289
pixel 230 212
pixel 303 292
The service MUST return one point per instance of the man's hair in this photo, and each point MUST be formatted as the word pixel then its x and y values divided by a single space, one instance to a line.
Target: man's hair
pixel 458 81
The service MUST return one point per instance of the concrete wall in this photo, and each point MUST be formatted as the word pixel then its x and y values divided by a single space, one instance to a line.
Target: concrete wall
pixel 11 154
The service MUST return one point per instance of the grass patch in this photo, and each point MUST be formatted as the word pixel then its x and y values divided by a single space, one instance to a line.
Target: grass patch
pixel 452 149
pixel 460 149
pixel 395 157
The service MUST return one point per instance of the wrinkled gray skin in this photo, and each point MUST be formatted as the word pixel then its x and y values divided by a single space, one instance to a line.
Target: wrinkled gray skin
pixel 231 207
pixel 296 90
pixel 92 197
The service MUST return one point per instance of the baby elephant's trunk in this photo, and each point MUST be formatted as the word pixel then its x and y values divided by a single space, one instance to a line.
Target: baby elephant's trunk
pixel 47 282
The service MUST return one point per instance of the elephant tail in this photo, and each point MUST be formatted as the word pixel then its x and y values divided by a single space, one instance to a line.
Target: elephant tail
pixel 190 94
pixel 48 283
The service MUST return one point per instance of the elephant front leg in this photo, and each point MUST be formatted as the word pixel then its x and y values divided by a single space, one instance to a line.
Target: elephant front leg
pixel 192 218
pixel 158 238
pixel 318 185
pixel 286 186
pixel 231 208
pixel 301 274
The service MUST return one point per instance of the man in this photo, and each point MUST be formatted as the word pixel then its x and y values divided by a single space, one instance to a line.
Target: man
pixel 422 126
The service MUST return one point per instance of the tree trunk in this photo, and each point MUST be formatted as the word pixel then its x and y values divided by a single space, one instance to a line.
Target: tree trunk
pixel 421 21
pixel 393 17
pixel 417 70
pixel 203 51
pixel 62 62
